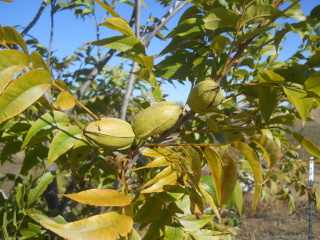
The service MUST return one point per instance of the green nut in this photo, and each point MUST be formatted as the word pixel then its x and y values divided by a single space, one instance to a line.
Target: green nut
pixel 156 119
pixel 205 96
pixel 110 133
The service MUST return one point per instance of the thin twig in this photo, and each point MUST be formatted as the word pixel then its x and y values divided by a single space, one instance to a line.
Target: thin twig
pixel 36 18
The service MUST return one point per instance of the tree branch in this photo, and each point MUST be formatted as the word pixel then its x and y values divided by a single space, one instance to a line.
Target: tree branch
pixel 35 19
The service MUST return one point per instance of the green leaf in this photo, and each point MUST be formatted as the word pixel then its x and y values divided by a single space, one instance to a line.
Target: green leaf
pixel 238 197
pixel 157 227
pixel 178 71
pixel 119 24
pixel 23 92
pixel 191 223
pixel 313 83
pixel 65 101
pixel 219 43
pixel 158 162
pixel 38 61
pixel 43 183
pixel 12 36
pixel 256 168
pixel 10 58
pixel 101 197
pixel 268 50
pixel 109 226
pixel 108 8
pixel 144 214
pixel 308 145
pixel 220 18
pixel 257 13
pixel 174 232
pixel 44 125
pixel 298 97
pixel 270 76
pixel 283 119
pixel 7 74
pixel 268 99
pixel 4 227
pixel 188 28
pixel 127 44
pixel 62 142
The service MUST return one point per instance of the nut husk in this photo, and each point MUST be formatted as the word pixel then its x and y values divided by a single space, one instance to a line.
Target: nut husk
pixel 110 133
pixel 205 96
pixel 156 119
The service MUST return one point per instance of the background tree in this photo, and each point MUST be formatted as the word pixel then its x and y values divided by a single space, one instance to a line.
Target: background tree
pixel 156 188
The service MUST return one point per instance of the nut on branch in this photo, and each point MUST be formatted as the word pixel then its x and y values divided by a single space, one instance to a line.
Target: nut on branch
pixel 205 96
pixel 156 119
pixel 110 133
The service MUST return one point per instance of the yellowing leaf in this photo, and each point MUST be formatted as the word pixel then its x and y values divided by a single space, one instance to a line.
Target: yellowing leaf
pixel 119 25
pixel 297 97
pixel 156 152
pixel 195 162
pixel 101 197
pixel 12 36
pixel 209 199
pixel 11 57
pixel 158 162
pixel 224 172
pixel 109 226
pixel 163 184
pixel 7 74
pixel 23 92
pixel 256 168
pixel 65 101
pixel 108 8
pixel 38 61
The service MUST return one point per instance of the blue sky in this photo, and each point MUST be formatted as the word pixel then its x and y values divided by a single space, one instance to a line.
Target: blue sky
pixel 71 33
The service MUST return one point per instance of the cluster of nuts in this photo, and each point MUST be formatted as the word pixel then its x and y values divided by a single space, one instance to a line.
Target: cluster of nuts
pixel 113 133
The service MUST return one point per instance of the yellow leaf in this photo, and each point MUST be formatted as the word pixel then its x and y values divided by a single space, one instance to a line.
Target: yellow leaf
pixel 101 197
pixel 65 101
pixel 163 184
pixel 109 226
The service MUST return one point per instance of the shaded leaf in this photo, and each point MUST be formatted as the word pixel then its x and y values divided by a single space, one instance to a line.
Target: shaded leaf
pixel 43 183
pixel 65 101
pixel 208 235
pixel 11 57
pixel 33 158
pixel 80 151
pixel 62 142
pixel 109 226
pixel 268 99
pixel 174 232
pixel 23 92
pixel 118 24
pixel 45 124
pixel 238 197
pixel 101 197
pixel 270 76
pixel 144 214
